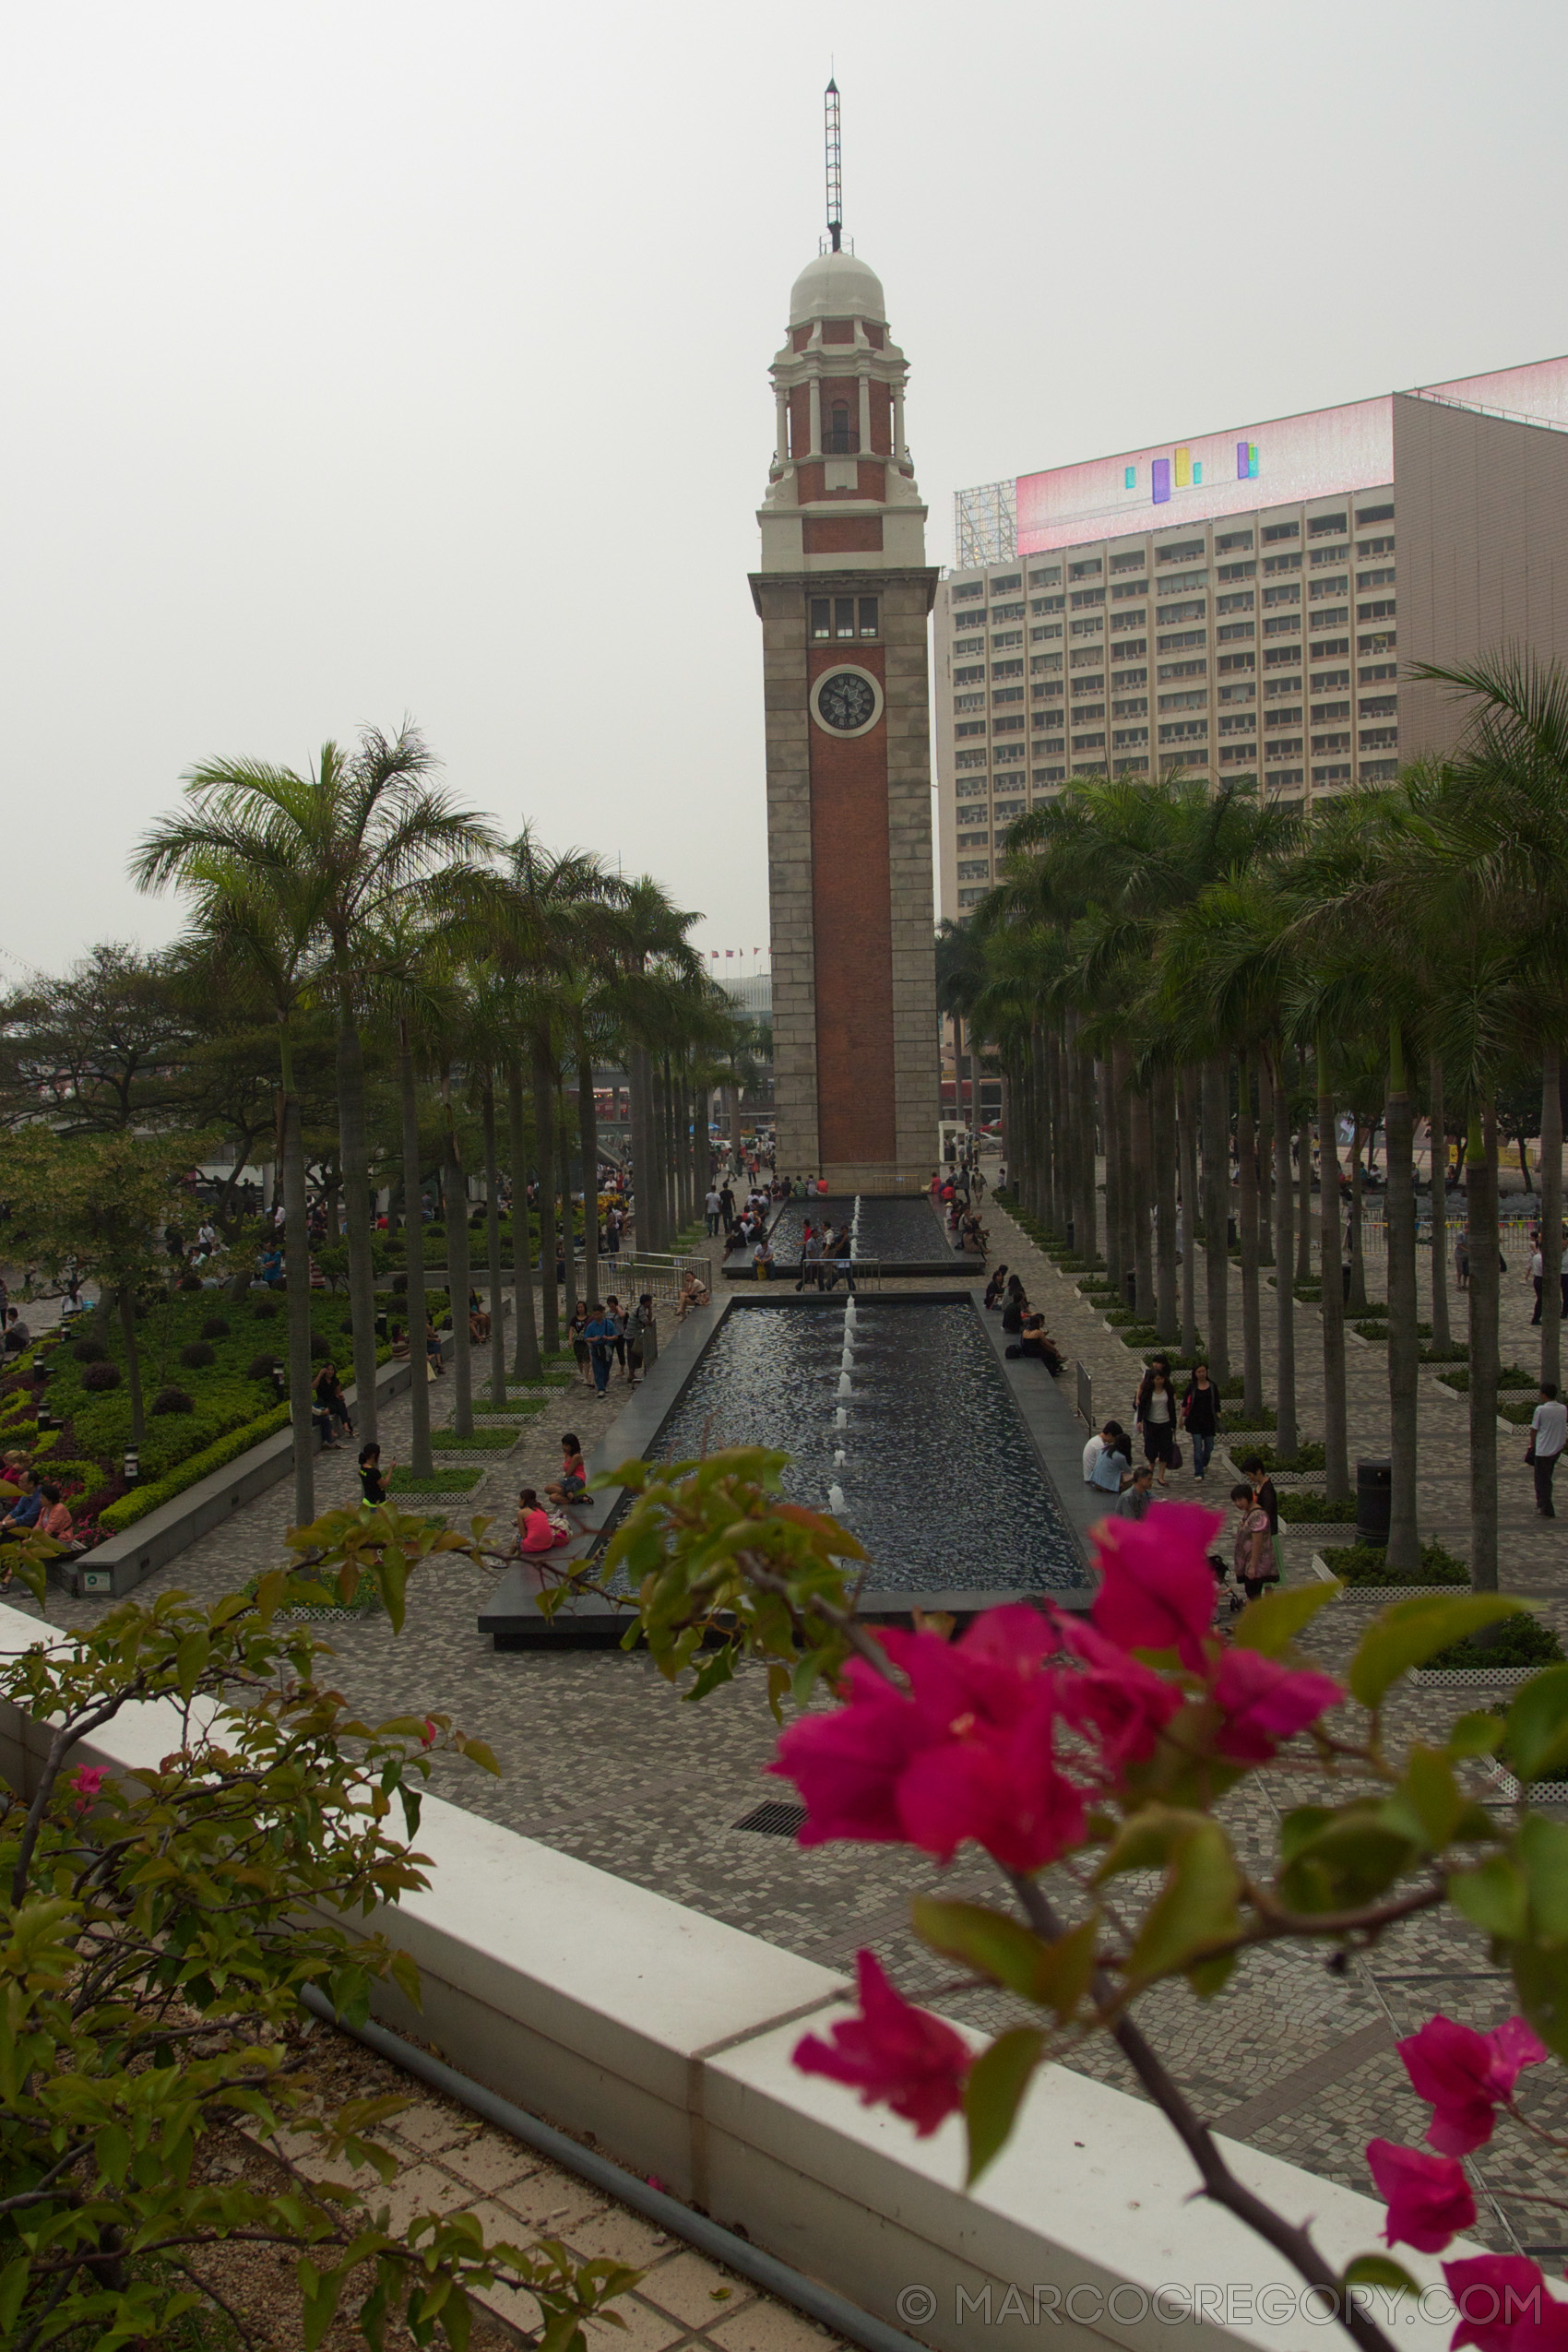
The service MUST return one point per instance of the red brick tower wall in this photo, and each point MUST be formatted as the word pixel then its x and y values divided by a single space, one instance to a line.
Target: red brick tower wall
pixel 852 926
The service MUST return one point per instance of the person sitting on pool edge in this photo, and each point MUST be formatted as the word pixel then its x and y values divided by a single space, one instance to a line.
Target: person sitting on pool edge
pixel 536 1530
pixel 571 1488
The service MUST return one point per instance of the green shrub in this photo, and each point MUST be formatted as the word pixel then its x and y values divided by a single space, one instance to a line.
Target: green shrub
pixel 198 1355
pixel 260 1367
pixel 173 1400
pixel 88 1351
pixel 1310 1456
pixel 478 1441
pixel 515 1409
pixel 1367 1563
pixel 152 1496
pixel 215 1327
pixel 100 1377
pixel 403 1481
pixel 1510 1376
pixel 1308 1505
pixel 264 1310
pixel 1517 1641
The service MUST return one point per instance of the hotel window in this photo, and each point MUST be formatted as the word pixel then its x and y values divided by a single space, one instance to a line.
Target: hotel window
pixel 1120 678
pixel 1273 563
pixel 1338 742
pixel 968 702
pixel 1093 628
pixel 1047 603
pixel 1238 722
pixel 1095 685
pixel 967 589
pixel 1192 608
pixel 1046 578
pixel 1185 730
pixel 1131 651
pixel 1237 693
pixel 1329 681
pixel 1236 572
pixel 1182 670
pixel 1040 664
pixel 1007 584
pixel 1013 669
pixel 1134 562
pixel 1381 609
pixel 1006 694
pixel 1124 588
pixel 1374 547
pixel 1272 531
pixel 1339 774
pixel 1291 750
pixel 1378 739
pixel 1086 713
pixel 1230 543
pixel 1365 515
pixel 972 676
pixel 1379 771
pixel 973 869
pixel 1332 616
pixel 970 759
pixel 1288 717
pixel 1088 569
pixel 1237 662
pixel 1121 622
pixel 1380 641
pixel 1289 594
pixel 1373 670
pixel 1330 649
pixel 1326 526
pixel 1239 600
pixel 1179 582
pixel 974 840
pixel 1338 584
pixel 1008 810
pixel 1047 630
pixel 1004 637
pixel 1124 737
pixel 1197 700
pixel 1135 707
pixel 1323 713
pixel 1009 726
pixel 968 644
pixel 1006 612
pixel 1046 689
pixel 972 813
pixel 1183 551
pixel 970 898
pixel 1082 597
pixel 1381 577
pixel 970 727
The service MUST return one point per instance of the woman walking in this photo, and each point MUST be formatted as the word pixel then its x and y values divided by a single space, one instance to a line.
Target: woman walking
pixel 1200 1417
pixel 1155 1415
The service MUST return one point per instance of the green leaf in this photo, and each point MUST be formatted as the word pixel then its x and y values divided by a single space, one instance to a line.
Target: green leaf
pixel 1537 1725
pixel 718 1668
pixel 13 2287
pixel 1270 1624
pixel 1195 1908
pixel 998 2080
pixel 1429 1797
pixel 1379 2270
pixel 1495 1897
pixel 987 1942
pixel 1354 1856
pixel 394 1584
pixel 1541 1977
pixel 1543 1850
pixel 111 2151
pixel 1475 1735
pixel 1412 1630
pixel 190 1661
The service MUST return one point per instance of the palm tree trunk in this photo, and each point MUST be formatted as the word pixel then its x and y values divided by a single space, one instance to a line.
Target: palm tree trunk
pixel 1140 1136
pixel 568 1214
pixel 492 1245
pixel 640 1076
pixel 1247 1165
pixel 525 1359
pixel 1086 1181
pixel 296 1269
pixel 1189 1133
pixel 419 1378
pixel 1266 1166
pixel 1217 1214
pixel 354 1155
pixel 1108 1123
pixel 1551 1214
pixel 1336 1474
pixel 1437 1153
pixel 1304 1179
pixel 587 1145
pixel 458 1271
pixel 1127 1178
pixel 544 1160
pixel 1164 1312
pixel 1358 1300
pixel 1287 1435
pixel 1480 1197
pixel 1404 1543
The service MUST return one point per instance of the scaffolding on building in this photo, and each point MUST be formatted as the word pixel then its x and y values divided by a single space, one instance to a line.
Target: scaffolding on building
pixel 985 525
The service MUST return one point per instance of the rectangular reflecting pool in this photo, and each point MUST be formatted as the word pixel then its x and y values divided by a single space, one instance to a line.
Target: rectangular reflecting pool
pixel 898 1420
pixel 901 1231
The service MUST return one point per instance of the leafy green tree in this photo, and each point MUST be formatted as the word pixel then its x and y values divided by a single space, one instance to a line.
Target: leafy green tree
pixel 99 1204
pixel 160 1925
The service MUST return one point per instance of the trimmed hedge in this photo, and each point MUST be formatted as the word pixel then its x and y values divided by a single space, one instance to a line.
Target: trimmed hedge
pixel 196 1466
pixel 403 1481
pixel 1517 1641
pixel 1306 1504
pixel 1367 1563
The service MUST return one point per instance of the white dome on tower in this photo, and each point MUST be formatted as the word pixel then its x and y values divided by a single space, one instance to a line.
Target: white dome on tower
pixel 836 285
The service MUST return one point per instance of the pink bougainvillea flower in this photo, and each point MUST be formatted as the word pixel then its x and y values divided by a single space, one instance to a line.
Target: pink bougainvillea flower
pixel 87 1780
pixel 1466 2076
pixel 1505 2305
pixel 1428 2197
pixel 1157 1589
pixel 1117 1703
pixel 893 2053
pixel 1264 1703
pixel 965 1752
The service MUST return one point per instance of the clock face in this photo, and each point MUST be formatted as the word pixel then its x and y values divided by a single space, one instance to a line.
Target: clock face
pixel 847 702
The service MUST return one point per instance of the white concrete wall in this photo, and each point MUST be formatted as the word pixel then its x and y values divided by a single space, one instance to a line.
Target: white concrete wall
pixel 667 2035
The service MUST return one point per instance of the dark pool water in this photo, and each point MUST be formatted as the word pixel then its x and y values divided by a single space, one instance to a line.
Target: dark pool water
pixel 898 1229
pixel 933 1470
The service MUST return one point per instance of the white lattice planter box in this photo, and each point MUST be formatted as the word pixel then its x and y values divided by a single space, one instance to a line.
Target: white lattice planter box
pixel 1474 1678
pixel 1317 1531
pixel 1379 1596
pixel 1536 1793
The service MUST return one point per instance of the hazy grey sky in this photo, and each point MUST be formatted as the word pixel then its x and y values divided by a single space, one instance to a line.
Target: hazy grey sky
pixel 365 360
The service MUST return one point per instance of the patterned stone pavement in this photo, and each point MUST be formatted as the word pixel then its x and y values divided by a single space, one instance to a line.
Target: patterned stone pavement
pixel 601 1759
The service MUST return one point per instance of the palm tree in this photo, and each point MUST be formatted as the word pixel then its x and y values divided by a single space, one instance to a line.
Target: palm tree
pixel 374 837
pixel 256 933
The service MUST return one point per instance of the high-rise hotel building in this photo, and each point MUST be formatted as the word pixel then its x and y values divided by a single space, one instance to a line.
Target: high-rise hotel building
pixel 1247 603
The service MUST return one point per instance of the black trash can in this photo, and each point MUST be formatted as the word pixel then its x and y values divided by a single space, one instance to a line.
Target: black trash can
pixel 1374 1495
pixel 1131 1279
pixel 1070 1241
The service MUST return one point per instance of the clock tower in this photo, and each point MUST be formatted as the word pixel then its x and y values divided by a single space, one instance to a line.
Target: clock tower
pixel 843 593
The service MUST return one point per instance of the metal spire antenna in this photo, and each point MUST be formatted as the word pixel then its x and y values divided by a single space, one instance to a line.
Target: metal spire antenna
pixel 835 167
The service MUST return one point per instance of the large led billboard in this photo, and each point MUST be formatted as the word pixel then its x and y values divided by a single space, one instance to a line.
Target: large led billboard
pixel 1218 473
pixel 1316 456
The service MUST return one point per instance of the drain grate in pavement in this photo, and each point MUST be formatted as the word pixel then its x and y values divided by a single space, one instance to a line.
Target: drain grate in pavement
pixel 776 1818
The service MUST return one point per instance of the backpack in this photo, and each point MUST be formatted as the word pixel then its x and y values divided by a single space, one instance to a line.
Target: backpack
pixel 1013 1352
